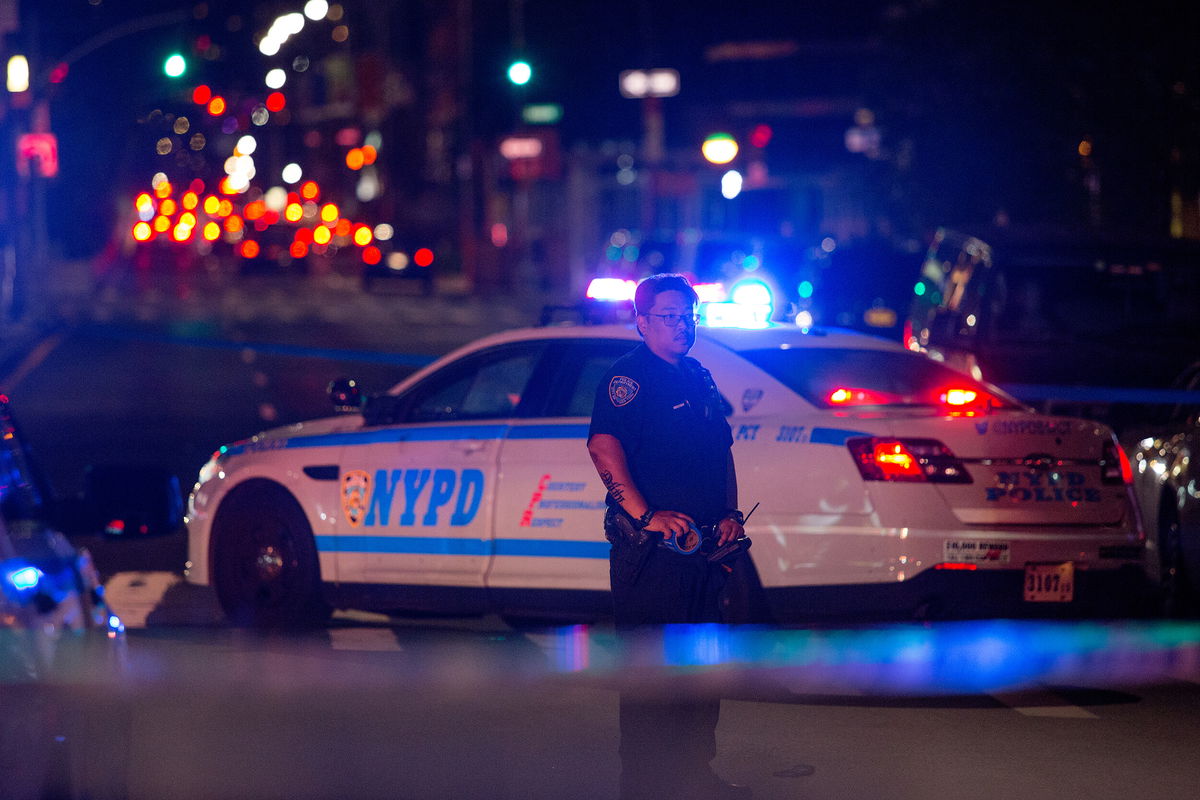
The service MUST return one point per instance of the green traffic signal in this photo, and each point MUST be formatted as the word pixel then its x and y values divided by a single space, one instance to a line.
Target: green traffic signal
pixel 175 65
pixel 519 72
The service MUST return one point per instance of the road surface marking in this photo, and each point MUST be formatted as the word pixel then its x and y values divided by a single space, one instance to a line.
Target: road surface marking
pixel 375 640
pixel 1042 703
pixel 31 362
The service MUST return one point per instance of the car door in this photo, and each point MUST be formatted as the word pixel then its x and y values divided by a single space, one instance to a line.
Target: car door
pixel 423 483
pixel 550 502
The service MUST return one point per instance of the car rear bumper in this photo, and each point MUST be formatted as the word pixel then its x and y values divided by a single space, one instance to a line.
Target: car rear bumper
pixel 958 594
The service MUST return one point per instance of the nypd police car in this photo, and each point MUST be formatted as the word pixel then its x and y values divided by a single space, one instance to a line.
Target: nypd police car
pixel 887 484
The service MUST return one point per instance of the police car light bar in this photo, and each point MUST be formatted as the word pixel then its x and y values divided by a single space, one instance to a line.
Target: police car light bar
pixel 710 292
pixel 735 315
pixel 613 290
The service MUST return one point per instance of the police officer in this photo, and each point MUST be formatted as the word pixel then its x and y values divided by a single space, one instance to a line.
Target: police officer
pixel 661 444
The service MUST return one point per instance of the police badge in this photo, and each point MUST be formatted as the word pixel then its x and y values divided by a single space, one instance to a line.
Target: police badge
pixel 622 390
pixel 356 496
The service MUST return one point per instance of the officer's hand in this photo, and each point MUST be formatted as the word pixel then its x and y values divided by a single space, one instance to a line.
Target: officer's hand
pixel 728 530
pixel 669 523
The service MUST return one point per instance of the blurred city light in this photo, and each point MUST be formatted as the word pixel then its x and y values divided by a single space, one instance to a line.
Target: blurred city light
pixel 175 65
pixel 638 83
pixel 520 73
pixel 423 257
pixel 316 9
pixel 18 74
pixel 731 184
pixel 276 78
pixel 292 173
pixel 719 148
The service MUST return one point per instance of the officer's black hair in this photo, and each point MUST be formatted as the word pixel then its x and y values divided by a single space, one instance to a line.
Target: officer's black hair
pixel 654 285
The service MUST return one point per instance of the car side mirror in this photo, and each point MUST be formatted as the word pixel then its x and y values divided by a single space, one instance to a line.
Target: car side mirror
pixel 345 396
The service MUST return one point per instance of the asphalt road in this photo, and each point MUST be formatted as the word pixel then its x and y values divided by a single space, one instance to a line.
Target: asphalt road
pixel 372 708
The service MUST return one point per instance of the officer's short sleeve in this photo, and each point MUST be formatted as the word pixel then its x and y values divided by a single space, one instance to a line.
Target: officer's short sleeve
pixel 615 408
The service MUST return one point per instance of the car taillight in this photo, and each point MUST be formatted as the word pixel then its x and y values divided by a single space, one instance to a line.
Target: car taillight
pixel 1114 464
pixel 906 460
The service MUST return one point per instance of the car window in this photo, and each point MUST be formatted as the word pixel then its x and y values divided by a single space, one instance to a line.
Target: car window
pixel 483 386
pixel 896 378
pixel 584 364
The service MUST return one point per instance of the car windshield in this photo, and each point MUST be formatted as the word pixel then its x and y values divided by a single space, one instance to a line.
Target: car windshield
pixel 837 378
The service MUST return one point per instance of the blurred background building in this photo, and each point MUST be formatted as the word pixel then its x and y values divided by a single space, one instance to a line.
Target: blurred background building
pixel 534 143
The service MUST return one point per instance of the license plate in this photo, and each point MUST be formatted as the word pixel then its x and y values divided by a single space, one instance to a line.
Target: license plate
pixel 1050 583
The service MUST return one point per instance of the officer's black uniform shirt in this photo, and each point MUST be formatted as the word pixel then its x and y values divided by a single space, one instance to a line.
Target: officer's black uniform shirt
pixel 671 426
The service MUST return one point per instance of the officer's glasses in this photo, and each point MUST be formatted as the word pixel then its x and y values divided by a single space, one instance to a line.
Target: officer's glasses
pixel 673 320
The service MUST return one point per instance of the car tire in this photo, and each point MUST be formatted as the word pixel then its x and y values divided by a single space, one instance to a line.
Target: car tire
pixel 265 565
pixel 1177 592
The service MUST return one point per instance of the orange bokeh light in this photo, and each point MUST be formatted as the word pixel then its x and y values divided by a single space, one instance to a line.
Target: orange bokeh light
pixel 216 106
pixel 322 235
pixel 293 212
pixel 233 224
pixel 163 189
pixel 212 204
pixel 309 190
pixel 142 201
pixel 190 200
pixel 354 158
pixel 254 210
pixel 161 224
pixel 167 207
pixel 362 236
pixel 211 231
pixel 371 255
pixel 342 228
pixel 369 154
pixel 298 249
pixel 249 248
pixel 329 213
pixel 142 231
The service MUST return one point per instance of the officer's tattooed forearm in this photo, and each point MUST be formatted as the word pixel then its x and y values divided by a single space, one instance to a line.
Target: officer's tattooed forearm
pixel 615 489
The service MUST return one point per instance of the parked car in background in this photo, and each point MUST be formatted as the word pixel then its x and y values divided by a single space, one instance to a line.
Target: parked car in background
pixel 1167 479
pixel 54 625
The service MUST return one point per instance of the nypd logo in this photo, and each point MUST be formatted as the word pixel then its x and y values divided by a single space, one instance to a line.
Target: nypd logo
pixel 356 493
pixel 411 497
pixel 622 390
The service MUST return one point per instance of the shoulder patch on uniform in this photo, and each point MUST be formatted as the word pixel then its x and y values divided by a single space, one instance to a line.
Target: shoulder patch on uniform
pixel 622 390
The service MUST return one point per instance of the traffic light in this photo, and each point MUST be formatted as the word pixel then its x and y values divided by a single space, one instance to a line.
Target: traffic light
pixel 174 65
pixel 520 73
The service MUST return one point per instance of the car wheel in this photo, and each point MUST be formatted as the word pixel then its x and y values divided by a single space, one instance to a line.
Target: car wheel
pixel 265 564
pixel 1178 594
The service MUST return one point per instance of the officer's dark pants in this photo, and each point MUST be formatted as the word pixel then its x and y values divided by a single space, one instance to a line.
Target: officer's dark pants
pixel 666 741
